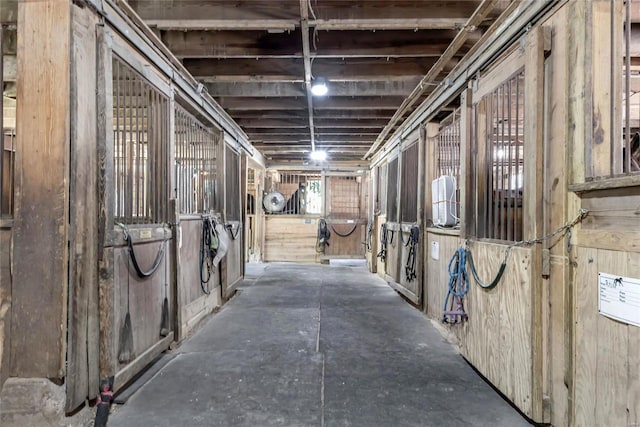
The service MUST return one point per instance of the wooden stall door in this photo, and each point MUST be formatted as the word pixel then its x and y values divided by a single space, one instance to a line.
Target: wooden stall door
pixel 346 216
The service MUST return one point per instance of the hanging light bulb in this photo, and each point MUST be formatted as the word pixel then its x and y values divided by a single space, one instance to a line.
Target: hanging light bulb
pixel 319 87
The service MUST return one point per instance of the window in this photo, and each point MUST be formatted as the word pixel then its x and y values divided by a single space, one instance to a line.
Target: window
pixel 498 161
pixel 409 184
pixel 141 148
pixel 392 191
pixel 232 178
pixel 197 153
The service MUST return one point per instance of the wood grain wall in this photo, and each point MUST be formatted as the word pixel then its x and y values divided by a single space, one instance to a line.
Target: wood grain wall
pixel 607 352
pixel 496 339
pixel 290 238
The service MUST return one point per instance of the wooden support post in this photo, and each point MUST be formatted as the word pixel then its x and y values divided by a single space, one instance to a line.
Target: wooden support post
pixel 40 254
pixel 533 200
pixel 466 171
pixel 108 334
pixel 83 336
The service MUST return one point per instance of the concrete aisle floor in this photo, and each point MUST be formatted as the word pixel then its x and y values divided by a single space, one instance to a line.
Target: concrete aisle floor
pixel 316 345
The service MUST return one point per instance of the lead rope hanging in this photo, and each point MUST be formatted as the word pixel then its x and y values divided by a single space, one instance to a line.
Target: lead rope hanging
pixel 412 243
pixel 460 277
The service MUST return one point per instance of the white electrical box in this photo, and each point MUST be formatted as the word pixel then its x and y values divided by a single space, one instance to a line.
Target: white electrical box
pixel 443 198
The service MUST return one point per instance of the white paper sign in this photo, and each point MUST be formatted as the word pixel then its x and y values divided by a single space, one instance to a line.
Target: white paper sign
pixel 619 298
pixel 435 250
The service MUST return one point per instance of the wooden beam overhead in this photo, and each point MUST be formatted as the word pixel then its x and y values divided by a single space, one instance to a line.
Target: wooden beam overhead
pixel 327 44
pixel 388 24
pixel 335 69
pixel 400 87
pixel 223 24
pixel 329 103
pixel 326 114
pixel 249 124
pixel 345 139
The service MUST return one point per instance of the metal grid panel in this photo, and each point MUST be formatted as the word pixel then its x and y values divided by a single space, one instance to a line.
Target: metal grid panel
pixel 141 147
pixel 7 168
pixel 381 194
pixel 409 185
pixel 232 182
pixel 499 207
pixel 448 151
pixel 197 154
pixel 392 191
pixel 630 95
pixel 346 197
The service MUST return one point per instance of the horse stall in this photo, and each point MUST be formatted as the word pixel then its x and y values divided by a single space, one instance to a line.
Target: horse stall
pixel 483 151
pixel 398 235
pixel 313 215
pixel 139 175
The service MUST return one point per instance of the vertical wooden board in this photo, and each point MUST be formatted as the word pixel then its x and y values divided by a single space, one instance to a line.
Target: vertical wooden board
pixel 600 148
pixel 82 375
pixel 520 286
pixel 555 205
pixel 633 353
pixel 38 326
pixel 507 317
pixel 586 336
pixel 611 353
pixel 5 303
pixel 290 238
pixel 189 279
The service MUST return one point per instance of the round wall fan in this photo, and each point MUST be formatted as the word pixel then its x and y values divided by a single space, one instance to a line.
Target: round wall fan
pixel 273 202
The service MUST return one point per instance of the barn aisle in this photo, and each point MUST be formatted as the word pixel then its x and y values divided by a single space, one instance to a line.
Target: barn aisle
pixel 316 345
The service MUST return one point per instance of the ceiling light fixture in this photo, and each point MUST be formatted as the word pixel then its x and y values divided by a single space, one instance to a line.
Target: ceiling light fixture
pixel 319 155
pixel 319 87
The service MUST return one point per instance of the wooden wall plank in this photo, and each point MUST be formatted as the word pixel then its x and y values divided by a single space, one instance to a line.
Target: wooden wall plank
pixel 5 302
pixel 82 346
pixel 586 337
pixel 633 352
pixel 38 326
pixel 611 353
pixel 290 238
pixel 600 148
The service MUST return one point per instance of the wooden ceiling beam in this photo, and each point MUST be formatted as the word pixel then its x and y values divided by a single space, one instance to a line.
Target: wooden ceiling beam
pixel 211 70
pixel 342 44
pixel 328 103
pixel 274 25
pixel 252 126
pixel 344 139
pixel 478 16
pixel 388 24
pixel 400 87
pixel 326 114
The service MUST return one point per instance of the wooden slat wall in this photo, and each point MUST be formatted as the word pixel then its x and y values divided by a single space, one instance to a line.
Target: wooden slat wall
pixel 346 247
pixel 290 238
pixel 38 324
pixel 497 337
pixel 607 388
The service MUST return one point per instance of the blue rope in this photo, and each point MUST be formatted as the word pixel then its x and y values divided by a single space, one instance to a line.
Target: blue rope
pixel 458 284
